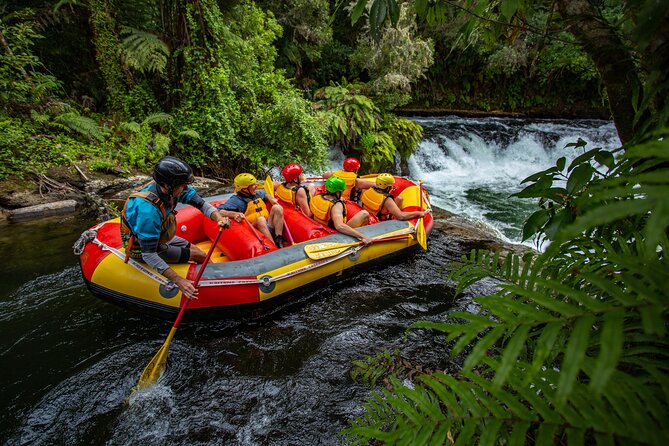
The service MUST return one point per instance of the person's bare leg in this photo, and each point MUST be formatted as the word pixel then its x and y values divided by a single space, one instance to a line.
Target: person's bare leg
pixel 359 219
pixel 276 219
pixel 261 225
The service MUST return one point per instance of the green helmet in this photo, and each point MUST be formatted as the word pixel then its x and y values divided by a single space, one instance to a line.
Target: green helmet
pixel 335 184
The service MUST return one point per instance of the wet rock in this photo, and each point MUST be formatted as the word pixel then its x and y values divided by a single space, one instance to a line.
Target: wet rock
pixel 473 234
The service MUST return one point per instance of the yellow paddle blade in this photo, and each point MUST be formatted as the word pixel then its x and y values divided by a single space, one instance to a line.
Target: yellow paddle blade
pixel 324 250
pixel 421 235
pixel 156 366
pixel 269 186
pixel 318 255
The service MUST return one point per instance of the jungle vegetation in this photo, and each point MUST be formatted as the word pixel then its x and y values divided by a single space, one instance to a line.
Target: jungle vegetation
pixel 241 85
pixel 571 345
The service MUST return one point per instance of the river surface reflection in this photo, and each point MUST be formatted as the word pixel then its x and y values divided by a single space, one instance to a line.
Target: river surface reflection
pixel 71 360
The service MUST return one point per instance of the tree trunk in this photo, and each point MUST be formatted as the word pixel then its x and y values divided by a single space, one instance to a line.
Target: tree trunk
pixel 611 57
pixel 107 52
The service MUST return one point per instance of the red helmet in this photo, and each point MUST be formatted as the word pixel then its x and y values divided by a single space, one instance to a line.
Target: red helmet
pixel 291 172
pixel 351 164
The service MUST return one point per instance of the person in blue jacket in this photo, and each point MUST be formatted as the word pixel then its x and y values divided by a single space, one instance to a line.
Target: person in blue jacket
pixel 148 222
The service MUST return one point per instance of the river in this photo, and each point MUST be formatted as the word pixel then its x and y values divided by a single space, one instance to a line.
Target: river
pixel 70 360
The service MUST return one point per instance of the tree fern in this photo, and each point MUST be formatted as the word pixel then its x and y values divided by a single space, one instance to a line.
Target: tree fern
pixel 572 348
pixel 144 51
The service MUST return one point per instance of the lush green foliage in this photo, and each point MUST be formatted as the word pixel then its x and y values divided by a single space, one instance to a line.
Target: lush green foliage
pixel 573 346
pixel 22 83
pixel 352 114
pixel 229 108
pixel 406 135
pixel 243 109
pixel 356 125
pixel 394 60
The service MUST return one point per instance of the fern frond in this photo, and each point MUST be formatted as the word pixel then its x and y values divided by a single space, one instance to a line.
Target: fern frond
pixel 158 118
pixel 131 127
pixel 190 133
pixel 80 124
pixel 144 51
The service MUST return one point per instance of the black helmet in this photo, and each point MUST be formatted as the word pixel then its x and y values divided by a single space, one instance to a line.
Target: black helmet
pixel 172 172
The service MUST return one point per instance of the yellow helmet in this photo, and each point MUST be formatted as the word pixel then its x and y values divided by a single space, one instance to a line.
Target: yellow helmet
pixel 384 181
pixel 244 180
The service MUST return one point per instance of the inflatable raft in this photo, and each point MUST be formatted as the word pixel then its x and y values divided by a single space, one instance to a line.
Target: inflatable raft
pixel 246 271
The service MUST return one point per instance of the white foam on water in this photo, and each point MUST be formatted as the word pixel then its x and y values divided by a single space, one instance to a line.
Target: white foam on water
pixel 464 162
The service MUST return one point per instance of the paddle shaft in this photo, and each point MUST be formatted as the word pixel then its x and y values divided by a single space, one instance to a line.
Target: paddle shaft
pixel 177 321
pixel 256 233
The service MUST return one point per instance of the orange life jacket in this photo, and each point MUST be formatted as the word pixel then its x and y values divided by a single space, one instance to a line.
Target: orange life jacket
pixel 350 193
pixel 322 209
pixel 289 194
pixel 373 200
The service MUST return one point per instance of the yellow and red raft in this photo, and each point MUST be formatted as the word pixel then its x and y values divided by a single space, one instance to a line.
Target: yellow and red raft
pixel 246 271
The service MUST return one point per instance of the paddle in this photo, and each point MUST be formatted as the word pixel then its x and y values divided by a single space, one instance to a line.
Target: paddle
pixel 156 367
pixel 421 236
pixel 269 186
pixel 317 251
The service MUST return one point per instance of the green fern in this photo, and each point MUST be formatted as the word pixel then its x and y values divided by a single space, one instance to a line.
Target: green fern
pixel 573 346
pixel 144 51
pixel 406 136
pixel 380 155
pixel 79 124
pixel 190 133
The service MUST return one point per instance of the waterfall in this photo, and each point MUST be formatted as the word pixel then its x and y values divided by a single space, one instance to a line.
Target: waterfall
pixel 471 166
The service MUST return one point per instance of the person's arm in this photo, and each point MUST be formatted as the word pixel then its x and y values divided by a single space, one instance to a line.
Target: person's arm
pixel 209 211
pixel 390 207
pixel 152 259
pixel 147 229
pixel 265 196
pixel 230 209
pixel 364 184
pixel 303 203
pixel 337 215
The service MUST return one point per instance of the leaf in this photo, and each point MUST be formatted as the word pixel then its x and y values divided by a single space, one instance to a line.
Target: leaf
pixel 581 158
pixel 579 143
pixel 421 8
pixel 538 175
pixel 560 163
pixel 605 158
pixel 559 220
pixel 535 190
pixel 656 226
pixel 610 349
pixel 357 11
pixel 377 15
pixel 606 214
pixel 510 355
pixel 508 9
pixel 579 178
pixel 573 355
pixel 535 222
pixel 393 11
pixel 481 348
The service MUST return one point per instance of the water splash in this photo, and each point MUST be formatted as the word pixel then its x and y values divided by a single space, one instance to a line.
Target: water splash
pixel 472 166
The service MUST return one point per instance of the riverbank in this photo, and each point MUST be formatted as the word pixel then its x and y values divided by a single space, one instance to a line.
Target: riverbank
pixel 528 113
